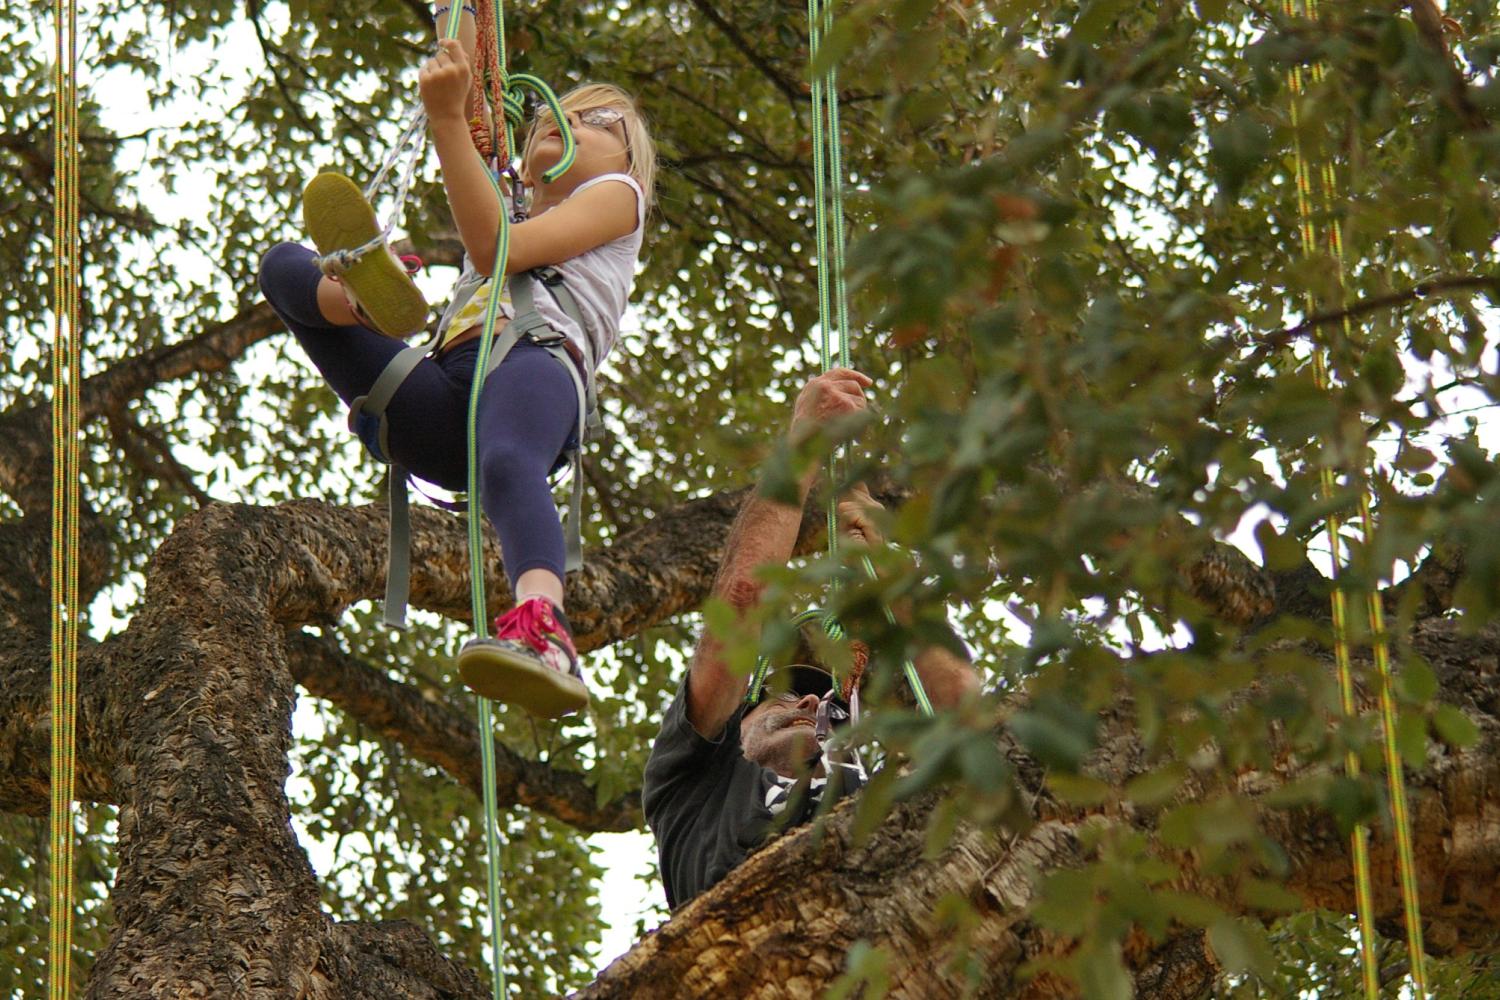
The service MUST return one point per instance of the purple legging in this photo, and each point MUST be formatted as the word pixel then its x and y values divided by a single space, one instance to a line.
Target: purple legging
pixel 528 411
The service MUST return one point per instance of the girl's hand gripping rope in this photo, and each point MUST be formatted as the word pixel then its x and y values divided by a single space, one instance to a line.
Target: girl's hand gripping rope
pixel 444 82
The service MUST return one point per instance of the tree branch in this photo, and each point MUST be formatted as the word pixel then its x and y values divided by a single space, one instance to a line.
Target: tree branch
pixel 1273 342
pixel 25 434
pixel 790 89
pixel 436 733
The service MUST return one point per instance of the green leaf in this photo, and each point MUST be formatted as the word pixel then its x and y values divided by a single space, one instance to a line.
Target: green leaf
pixel 1101 973
pixel 1454 727
pixel 1416 682
pixel 1156 787
pixel 1414 459
pixel 1271 897
pixel 1058 739
pixel 1381 372
pixel 1352 801
pixel 1237 149
pixel 1066 901
pixel 866 975
pixel 1411 739
pixel 1241 946
pixel 1281 550
pixel 1298 792
pixel 1190 909
pixel 1079 789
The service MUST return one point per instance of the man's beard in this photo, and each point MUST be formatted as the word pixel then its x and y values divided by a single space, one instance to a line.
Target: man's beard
pixel 787 752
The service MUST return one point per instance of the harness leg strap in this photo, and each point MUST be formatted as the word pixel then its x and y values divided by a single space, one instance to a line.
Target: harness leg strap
pixel 383 391
pixel 398 555
pixel 398 559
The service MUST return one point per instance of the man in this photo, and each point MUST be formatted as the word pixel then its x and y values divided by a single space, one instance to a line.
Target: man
pixel 720 770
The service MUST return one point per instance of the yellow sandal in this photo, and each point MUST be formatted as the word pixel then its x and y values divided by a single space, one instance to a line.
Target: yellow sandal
pixel 382 293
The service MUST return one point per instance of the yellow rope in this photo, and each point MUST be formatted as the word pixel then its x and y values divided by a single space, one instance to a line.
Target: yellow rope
pixel 1359 840
pixel 1380 648
pixel 1369 964
pixel 65 489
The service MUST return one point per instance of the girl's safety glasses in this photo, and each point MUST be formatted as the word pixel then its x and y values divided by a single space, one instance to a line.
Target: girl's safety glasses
pixel 601 117
pixel 596 117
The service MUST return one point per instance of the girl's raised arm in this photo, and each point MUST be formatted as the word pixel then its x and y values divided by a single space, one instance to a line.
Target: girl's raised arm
pixel 584 221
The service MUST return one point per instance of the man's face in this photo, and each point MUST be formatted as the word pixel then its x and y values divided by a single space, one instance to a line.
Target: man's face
pixel 778 733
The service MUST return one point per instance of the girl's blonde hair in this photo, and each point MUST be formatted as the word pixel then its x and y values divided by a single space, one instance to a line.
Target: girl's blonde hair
pixel 640 148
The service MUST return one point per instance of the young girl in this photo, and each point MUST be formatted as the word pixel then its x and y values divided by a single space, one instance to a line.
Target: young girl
pixel 588 224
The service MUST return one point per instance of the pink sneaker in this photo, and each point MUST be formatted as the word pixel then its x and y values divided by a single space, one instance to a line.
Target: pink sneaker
pixel 530 662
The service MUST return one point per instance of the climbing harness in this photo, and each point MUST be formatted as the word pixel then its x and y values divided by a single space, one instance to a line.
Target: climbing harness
pixel 528 324
pixel 65 611
pixel 1395 777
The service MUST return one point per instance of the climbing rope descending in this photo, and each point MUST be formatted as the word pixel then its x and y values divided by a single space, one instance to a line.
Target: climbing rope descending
pixel 1380 645
pixel 833 299
pixel 1395 776
pixel 65 612
pixel 828 190
pixel 496 137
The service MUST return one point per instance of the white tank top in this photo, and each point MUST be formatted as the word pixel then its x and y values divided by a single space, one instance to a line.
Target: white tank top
pixel 600 280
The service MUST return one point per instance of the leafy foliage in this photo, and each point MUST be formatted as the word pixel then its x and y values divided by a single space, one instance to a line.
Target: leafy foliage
pixel 1077 260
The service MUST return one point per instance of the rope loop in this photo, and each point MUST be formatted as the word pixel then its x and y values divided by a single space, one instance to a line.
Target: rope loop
pixel 516 86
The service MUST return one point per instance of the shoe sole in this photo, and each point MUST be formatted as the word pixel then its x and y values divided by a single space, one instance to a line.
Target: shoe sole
pixel 512 680
pixel 338 217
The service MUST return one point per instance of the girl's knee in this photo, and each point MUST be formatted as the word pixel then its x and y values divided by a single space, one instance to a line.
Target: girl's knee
pixel 508 461
pixel 284 263
pixel 499 459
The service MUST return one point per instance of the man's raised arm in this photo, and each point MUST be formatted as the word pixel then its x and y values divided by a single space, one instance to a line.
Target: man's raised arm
pixel 764 534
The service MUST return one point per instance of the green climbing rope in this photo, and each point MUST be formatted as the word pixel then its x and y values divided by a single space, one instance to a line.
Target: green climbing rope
pixel 827 186
pixel 506 118
pixel 833 298
pixel 1395 777
pixel 66 370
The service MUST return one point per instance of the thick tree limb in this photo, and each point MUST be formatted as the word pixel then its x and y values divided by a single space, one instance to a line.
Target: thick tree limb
pixel 391 959
pixel 304 563
pixel 26 722
pixel 782 924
